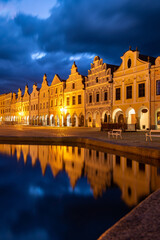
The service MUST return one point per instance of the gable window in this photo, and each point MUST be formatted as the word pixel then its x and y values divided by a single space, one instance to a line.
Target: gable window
pixel 105 96
pixel 97 97
pixel 73 85
pixel 129 63
pixel 43 94
pixel 141 90
pixel 90 98
pixel 67 102
pixel 79 99
pixel 129 92
pixel 56 90
pixel 96 79
pixel 73 100
pixel 158 87
pixel 118 93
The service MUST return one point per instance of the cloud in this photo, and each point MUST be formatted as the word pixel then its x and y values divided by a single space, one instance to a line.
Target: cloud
pixel 69 31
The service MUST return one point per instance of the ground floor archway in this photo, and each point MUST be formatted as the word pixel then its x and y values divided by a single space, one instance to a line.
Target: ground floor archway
pixel 118 116
pixel 143 116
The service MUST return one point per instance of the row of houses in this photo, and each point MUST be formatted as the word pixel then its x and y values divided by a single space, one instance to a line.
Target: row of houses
pixel 129 93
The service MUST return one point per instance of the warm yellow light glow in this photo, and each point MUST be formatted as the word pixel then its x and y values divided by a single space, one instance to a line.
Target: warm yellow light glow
pixel 21 113
pixel 63 110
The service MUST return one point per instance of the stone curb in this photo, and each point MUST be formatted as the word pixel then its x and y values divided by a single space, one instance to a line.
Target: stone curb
pixel 150 154
pixel 143 222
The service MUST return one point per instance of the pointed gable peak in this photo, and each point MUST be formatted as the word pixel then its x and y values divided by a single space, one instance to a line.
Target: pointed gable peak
pixel 45 77
pixel 56 79
pixel 74 68
pixel 45 82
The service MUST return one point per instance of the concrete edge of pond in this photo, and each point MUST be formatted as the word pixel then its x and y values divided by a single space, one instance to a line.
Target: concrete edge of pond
pixel 150 155
pixel 141 223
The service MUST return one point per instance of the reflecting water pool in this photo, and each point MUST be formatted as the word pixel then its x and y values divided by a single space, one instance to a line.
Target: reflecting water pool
pixel 65 193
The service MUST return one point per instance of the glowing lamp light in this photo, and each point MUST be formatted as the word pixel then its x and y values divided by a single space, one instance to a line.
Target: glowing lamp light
pixel 21 113
pixel 63 110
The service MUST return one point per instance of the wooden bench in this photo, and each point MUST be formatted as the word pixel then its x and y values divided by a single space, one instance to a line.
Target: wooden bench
pixel 115 132
pixel 152 133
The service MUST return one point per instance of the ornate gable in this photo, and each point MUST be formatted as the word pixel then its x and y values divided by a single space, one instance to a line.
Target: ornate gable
pixel 56 80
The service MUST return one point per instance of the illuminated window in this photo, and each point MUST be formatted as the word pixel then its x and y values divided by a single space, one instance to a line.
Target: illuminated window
pixel 90 98
pixel 158 87
pixel 67 102
pixel 97 97
pixel 105 96
pixel 79 99
pixel 141 90
pixel 118 93
pixel 129 92
pixel 73 100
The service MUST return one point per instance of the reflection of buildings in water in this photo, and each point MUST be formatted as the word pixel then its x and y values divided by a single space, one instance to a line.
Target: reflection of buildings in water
pixel 13 149
pixel 5 149
pixel 155 178
pixel 98 169
pixel 74 163
pixel 43 157
pixel 25 152
pixel 56 159
pixel 133 178
pixel 33 152
pixel 18 151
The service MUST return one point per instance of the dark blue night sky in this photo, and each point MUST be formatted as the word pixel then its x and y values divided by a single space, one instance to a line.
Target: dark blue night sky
pixel 46 36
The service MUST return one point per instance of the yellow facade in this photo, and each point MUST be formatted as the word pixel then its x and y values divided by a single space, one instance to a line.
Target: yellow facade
pixel 44 102
pixel 56 93
pixel 34 106
pixel 155 94
pixel 131 91
pixel 74 99
pixel 98 93
pixel 2 108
